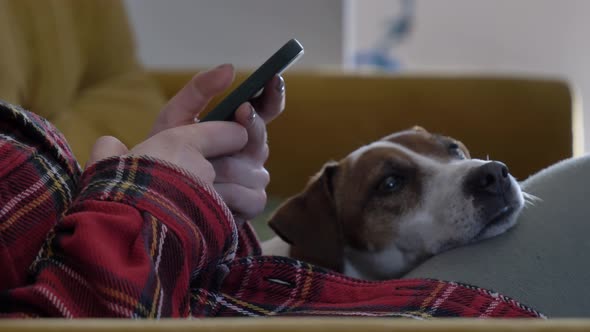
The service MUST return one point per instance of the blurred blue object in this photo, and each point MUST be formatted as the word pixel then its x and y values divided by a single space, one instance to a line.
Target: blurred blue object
pixel 381 55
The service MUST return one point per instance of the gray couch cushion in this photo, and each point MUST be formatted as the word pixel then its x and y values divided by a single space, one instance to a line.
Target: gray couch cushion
pixel 543 262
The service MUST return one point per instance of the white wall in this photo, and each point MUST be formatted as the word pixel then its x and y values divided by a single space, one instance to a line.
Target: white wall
pixel 523 35
pixel 197 33
pixel 532 37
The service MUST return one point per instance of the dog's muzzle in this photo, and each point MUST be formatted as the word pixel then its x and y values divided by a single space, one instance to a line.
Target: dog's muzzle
pixel 490 186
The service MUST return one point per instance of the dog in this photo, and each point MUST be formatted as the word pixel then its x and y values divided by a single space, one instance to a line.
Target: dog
pixel 391 204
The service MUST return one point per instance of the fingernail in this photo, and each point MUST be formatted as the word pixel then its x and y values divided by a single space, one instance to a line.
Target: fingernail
pixel 225 65
pixel 252 115
pixel 281 85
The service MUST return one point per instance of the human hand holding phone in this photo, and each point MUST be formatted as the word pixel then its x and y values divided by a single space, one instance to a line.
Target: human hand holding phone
pixel 241 178
pixel 252 86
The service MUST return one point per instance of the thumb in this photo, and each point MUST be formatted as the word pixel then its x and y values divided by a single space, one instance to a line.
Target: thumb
pixel 105 147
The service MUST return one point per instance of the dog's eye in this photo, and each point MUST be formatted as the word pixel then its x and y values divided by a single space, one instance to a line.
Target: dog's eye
pixel 390 184
pixel 455 151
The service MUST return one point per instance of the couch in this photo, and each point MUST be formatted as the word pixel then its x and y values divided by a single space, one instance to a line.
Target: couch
pixel 74 62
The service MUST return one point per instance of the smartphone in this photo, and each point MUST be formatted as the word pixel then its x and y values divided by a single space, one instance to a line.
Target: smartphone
pixel 253 85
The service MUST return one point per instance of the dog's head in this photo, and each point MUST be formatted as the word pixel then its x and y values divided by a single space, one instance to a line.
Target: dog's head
pixel 391 204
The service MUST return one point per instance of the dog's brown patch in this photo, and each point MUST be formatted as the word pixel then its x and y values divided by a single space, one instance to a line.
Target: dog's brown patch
pixel 366 212
pixel 427 144
pixel 308 222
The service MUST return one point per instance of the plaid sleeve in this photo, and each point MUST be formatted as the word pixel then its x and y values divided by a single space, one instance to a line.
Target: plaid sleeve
pixel 136 237
pixel 128 238
pixel 38 174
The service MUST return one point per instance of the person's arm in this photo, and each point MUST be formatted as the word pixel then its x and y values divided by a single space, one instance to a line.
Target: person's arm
pixel 139 232
pixel 38 176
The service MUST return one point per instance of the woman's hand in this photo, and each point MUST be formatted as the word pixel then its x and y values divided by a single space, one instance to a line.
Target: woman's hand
pixel 241 178
pixel 225 154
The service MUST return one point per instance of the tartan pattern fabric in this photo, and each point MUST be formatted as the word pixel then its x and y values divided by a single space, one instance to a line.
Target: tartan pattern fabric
pixel 38 175
pixel 278 286
pixel 136 237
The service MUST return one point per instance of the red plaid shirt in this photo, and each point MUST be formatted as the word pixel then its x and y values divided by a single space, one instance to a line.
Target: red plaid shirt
pixel 136 237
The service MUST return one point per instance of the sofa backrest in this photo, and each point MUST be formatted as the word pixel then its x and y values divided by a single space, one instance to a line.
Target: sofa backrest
pixel 528 123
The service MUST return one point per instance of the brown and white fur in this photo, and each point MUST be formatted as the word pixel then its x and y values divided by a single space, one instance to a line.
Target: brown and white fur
pixel 389 205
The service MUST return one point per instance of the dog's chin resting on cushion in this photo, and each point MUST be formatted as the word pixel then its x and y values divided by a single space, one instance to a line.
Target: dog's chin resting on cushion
pixel 389 205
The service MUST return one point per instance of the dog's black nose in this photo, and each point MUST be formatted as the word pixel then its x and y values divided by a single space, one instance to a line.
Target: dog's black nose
pixel 490 178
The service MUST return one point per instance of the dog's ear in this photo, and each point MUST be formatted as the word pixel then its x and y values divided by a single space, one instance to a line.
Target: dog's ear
pixel 309 223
